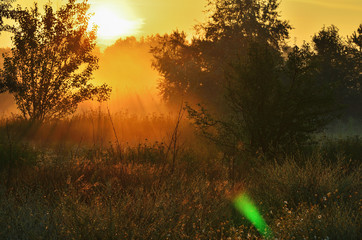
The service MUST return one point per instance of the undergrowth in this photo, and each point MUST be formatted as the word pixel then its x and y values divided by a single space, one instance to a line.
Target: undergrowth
pixel 151 191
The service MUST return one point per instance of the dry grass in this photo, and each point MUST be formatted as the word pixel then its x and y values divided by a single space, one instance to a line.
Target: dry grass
pixel 94 190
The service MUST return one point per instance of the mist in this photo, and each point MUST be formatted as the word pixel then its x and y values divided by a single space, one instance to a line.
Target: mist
pixel 126 67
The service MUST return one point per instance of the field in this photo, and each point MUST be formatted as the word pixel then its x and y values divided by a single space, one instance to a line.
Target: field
pixel 121 176
pixel 152 119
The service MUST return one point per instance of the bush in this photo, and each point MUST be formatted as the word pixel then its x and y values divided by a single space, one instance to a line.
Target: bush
pixel 16 155
pixel 303 198
pixel 349 148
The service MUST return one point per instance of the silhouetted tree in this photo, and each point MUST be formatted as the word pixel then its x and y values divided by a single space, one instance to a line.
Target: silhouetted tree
pixel 51 64
pixel 251 19
pixel 6 11
pixel 257 94
pixel 273 104
pixel 195 69
pixel 183 70
pixel 339 62
pixel 356 38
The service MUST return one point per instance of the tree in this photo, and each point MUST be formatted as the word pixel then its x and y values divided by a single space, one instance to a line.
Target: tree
pixel 253 97
pixel 339 63
pixel 5 6
pixel 273 104
pixel 252 19
pixel 6 12
pixel 356 39
pixel 51 64
pixel 194 70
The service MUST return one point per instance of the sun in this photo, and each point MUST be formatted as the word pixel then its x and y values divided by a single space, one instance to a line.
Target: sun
pixel 112 24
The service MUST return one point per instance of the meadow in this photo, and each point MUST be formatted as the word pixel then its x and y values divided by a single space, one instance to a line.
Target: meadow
pixel 244 157
pixel 99 175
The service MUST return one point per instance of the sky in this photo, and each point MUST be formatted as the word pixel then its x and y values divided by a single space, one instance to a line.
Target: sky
pixel 309 16
pixel 147 17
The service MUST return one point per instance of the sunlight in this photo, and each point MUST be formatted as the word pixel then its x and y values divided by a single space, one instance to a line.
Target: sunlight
pixel 112 25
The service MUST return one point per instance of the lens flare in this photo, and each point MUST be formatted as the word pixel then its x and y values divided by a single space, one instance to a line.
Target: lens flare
pixel 247 208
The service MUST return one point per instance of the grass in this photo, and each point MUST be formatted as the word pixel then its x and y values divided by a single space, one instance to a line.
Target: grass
pixel 95 190
pixel 95 128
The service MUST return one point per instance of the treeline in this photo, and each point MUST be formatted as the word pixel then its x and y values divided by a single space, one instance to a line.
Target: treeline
pixel 247 89
pixel 244 87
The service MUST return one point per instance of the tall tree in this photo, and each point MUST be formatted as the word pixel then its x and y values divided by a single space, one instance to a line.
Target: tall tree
pixel 51 64
pixel 356 38
pixel 273 103
pixel 5 12
pixel 252 19
pixel 195 69
pixel 339 62
pixel 255 97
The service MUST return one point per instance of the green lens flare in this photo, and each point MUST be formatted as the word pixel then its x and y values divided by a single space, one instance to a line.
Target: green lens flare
pixel 245 206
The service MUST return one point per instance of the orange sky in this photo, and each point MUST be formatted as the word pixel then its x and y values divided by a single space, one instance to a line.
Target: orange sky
pixel 162 16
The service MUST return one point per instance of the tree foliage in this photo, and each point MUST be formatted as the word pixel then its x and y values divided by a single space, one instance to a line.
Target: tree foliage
pixel 251 19
pixel 339 63
pixel 256 94
pixel 6 12
pixel 194 70
pixel 356 38
pixel 273 103
pixel 51 64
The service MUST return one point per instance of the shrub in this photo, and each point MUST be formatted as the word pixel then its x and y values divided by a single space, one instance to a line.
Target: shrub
pixel 17 155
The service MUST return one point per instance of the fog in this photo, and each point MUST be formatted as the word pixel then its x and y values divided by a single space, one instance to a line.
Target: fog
pixel 126 67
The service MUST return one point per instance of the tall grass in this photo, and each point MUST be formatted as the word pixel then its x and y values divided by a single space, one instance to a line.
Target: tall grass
pixel 96 128
pixel 93 190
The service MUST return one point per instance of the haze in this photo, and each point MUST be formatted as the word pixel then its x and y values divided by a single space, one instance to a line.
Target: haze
pixel 126 65
pixel 163 16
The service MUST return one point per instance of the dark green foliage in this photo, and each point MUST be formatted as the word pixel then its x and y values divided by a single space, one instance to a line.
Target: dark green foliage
pixel 339 63
pixel 51 64
pixel 349 148
pixel 16 155
pixel 272 104
pixel 14 152
pixel 356 38
pixel 250 19
pixel 194 70
pixel 254 96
